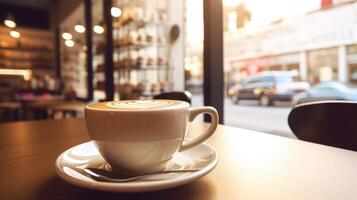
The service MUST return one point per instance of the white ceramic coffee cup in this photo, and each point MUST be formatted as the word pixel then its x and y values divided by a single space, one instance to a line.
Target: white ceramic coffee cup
pixel 138 136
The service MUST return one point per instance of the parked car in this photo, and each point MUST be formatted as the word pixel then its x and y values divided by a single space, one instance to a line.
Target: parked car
pixel 268 87
pixel 327 91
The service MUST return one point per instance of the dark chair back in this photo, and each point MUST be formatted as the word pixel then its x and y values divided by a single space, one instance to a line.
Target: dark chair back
pixel 183 96
pixel 332 123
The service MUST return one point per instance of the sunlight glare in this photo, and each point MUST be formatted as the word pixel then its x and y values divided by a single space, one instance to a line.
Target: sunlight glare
pixel 262 14
pixel 194 22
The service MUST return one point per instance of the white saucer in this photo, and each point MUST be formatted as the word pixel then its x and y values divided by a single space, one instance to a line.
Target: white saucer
pixel 86 155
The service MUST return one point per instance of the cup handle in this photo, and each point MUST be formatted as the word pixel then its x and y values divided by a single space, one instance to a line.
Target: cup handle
pixel 193 112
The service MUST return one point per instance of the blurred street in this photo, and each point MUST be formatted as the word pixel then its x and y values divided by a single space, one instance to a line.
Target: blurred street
pixel 249 115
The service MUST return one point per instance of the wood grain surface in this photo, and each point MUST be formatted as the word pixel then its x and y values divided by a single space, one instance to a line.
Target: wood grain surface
pixel 251 165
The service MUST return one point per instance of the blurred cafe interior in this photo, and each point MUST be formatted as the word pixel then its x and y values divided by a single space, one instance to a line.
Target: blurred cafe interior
pixel 275 80
pixel 56 56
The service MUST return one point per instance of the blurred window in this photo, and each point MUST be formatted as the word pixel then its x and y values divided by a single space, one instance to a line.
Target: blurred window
pixel 253 80
pixel 268 79
pixel 283 79
pixel 332 86
pixel 322 65
pixel 307 46
pixel 296 78
pixel 326 89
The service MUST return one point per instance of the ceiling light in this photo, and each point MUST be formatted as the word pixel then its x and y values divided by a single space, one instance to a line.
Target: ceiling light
pixel 98 29
pixel 9 23
pixel 69 43
pixel 15 34
pixel 79 28
pixel 66 36
pixel 115 11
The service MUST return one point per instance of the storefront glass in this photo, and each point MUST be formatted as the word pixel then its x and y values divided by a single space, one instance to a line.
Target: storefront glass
pixel 352 63
pixel 194 49
pixel 322 65
pixel 98 49
pixel 73 54
pixel 314 42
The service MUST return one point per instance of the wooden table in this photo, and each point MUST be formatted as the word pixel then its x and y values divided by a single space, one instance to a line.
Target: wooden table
pixel 252 166
pixel 45 109
pixel 37 109
pixel 73 108
pixel 10 111
pixel 10 105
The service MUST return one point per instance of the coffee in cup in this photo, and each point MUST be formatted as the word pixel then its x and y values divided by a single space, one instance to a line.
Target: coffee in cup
pixel 140 136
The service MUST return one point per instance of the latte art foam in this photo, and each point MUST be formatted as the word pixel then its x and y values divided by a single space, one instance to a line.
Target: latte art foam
pixel 140 105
